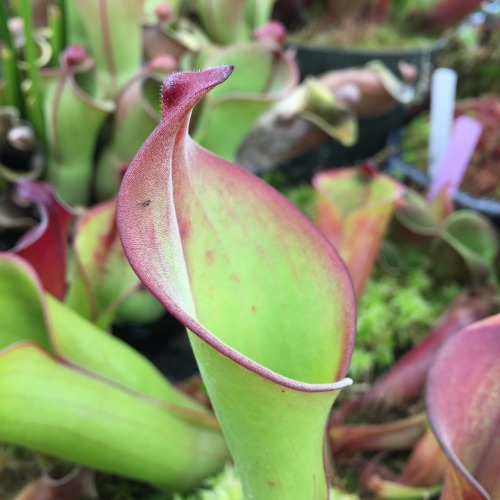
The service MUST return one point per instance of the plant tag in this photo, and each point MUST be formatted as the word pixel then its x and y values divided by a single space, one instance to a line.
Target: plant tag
pixel 451 169
pixel 444 83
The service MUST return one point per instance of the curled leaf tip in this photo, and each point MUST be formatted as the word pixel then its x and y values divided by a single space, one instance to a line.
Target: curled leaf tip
pixel 180 88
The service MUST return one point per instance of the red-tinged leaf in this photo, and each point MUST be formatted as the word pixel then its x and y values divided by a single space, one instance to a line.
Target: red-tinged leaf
pixel 399 435
pixel 45 246
pixel 390 490
pixel 405 381
pixel 426 465
pixel 441 206
pixel 354 209
pixel 443 14
pixel 268 300
pixel 463 403
pixel 218 204
pixel 381 9
pixel 458 487
pixel 78 483
pixel 103 278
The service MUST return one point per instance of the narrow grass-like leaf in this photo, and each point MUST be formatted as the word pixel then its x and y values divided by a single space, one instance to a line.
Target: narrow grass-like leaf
pixel 12 74
pixel 35 91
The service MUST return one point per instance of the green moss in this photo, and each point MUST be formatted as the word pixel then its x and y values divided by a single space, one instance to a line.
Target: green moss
pixel 227 486
pixel 394 313
pixel 304 198
pixel 415 142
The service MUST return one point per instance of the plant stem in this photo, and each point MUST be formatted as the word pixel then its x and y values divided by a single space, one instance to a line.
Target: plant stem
pixel 9 74
pixel 4 27
pixel 61 5
pixel 13 75
pixel 34 90
pixel 31 109
pixel 56 23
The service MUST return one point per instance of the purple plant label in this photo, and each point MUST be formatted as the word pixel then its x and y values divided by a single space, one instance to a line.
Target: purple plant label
pixel 451 169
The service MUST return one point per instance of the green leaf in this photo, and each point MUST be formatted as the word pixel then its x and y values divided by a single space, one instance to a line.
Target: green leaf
pixel 463 244
pixel 102 278
pixel 390 490
pixel 114 34
pixel 134 119
pixel 262 76
pixel 74 119
pixel 23 317
pixel 415 222
pixel 223 20
pixel 258 13
pixel 267 299
pixel 133 421
pixel 52 407
pixel 316 103
pixel 84 345
pixel 32 316
pixel 468 243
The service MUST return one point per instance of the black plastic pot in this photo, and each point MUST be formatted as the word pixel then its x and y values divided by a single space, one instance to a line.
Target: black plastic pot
pixel 372 138
pixel 165 343
pixel 373 132
pixel 317 60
